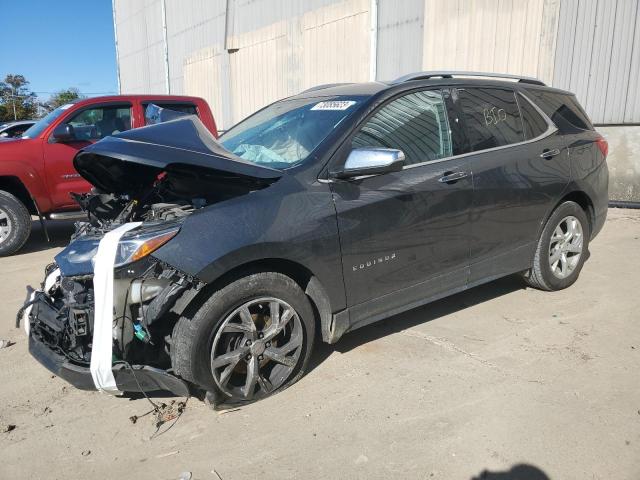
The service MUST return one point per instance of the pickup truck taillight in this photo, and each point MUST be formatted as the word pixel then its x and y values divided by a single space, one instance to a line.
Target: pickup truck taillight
pixel 603 145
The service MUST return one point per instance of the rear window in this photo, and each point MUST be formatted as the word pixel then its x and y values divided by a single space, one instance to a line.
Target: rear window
pixel 491 117
pixel 563 109
pixel 186 108
pixel 534 124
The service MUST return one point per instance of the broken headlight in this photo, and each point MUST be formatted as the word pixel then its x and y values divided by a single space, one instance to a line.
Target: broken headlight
pixel 137 245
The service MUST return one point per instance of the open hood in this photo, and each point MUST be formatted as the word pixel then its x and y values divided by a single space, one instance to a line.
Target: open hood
pixel 131 161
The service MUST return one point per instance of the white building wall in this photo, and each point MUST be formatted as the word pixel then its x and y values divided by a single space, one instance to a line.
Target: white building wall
pixel 598 57
pixel 262 50
pixel 140 46
pixel 280 49
pixel 400 38
pixel 505 36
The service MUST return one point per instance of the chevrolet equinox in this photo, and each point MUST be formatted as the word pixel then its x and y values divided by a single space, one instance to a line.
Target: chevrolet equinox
pixel 216 265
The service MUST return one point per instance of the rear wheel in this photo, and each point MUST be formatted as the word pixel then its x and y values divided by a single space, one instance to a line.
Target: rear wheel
pixel 562 249
pixel 249 340
pixel 15 224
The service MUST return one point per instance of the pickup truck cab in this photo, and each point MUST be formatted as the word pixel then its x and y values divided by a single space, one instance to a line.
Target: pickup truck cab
pixel 36 170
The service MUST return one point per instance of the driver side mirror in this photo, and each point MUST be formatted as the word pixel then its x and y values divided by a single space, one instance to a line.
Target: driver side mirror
pixel 64 133
pixel 4 135
pixel 371 161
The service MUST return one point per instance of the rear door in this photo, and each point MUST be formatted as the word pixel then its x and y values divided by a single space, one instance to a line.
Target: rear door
pixel 405 235
pixel 520 168
pixel 90 124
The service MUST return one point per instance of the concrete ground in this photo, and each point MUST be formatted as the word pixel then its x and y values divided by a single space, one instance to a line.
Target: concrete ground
pixel 522 383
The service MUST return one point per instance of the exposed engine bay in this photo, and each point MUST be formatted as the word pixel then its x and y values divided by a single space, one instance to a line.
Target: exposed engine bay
pixel 65 314
pixel 146 189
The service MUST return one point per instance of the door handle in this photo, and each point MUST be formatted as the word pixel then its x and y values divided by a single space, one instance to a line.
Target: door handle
pixel 547 154
pixel 452 177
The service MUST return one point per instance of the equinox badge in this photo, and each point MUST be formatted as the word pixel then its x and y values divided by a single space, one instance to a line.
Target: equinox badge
pixel 375 261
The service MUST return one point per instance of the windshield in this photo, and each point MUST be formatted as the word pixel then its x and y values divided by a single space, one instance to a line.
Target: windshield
pixel 286 133
pixel 37 128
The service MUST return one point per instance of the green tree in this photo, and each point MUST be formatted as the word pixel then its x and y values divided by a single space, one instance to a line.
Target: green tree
pixel 62 98
pixel 18 102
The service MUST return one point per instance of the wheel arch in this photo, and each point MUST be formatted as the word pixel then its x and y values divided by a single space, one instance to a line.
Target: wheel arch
pixel 303 276
pixel 581 198
pixel 14 186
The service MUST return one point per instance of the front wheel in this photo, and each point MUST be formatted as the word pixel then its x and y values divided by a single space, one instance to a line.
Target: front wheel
pixel 249 340
pixel 15 224
pixel 562 249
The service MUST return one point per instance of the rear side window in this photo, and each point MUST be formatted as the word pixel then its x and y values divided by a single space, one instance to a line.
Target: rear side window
pixel 186 108
pixel 416 123
pixel 491 117
pixel 534 124
pixel 563 110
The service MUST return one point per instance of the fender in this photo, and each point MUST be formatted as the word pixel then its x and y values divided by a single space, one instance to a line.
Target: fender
pixel 28 171
pixel 281 222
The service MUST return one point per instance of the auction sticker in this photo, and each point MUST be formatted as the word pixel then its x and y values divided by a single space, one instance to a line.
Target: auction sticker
pixel 333 105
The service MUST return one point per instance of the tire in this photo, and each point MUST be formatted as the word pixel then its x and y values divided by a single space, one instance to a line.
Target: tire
pixel 218 329
pixel 15 224
pixel 548 275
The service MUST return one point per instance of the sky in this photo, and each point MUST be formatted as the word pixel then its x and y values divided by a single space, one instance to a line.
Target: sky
pixel 59 44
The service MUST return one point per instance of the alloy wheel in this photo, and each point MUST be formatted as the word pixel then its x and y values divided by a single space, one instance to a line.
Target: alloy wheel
pixel 565 248
pixel 256 348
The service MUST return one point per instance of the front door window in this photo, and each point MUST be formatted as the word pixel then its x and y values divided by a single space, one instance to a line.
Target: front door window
pixel 96 123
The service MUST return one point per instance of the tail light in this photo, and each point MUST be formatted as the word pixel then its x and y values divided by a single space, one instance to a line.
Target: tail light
pixel 603 145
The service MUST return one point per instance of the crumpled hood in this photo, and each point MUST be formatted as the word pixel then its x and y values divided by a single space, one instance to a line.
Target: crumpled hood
pixel 130 161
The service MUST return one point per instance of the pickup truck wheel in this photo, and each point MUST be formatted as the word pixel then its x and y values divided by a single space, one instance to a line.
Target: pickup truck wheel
pixel 562 249
pixel 15 224
pixel 249 340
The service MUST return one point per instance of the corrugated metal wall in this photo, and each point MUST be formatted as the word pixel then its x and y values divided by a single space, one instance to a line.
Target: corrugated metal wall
pixel 275 49
pixel 262 50
pixel 189 29
pixel 598 57
pixel 140 46
pixel 506 36
pixel 400 38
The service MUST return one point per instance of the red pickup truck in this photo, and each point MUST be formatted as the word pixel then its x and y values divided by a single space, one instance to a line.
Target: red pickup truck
pixel 36 170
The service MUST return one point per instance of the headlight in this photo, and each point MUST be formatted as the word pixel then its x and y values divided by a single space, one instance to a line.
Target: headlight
pixel 138 245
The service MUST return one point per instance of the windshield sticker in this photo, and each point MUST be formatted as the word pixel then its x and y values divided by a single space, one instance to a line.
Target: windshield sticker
pixel 333 105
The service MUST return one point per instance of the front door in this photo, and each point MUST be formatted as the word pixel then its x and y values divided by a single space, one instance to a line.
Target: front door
pixel 405 235
pixel 90 125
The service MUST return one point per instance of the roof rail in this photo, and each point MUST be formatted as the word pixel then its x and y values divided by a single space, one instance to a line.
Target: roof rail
pixel 451 74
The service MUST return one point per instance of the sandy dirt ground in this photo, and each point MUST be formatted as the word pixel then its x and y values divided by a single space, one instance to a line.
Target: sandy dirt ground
pixel 499 378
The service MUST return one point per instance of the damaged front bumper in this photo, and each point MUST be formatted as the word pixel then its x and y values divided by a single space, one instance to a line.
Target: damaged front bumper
pixel 58 319
pixel 129 378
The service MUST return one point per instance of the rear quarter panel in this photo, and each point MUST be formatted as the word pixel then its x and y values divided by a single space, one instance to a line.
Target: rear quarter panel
pixel 590 174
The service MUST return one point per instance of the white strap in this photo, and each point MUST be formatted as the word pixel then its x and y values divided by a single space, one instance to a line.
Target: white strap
pixel 102 344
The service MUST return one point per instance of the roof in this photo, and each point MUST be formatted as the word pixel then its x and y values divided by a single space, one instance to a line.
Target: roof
pixel 430 79
pixel 135 97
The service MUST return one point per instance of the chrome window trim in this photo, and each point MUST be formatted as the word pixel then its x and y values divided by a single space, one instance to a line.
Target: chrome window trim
pixel 551 129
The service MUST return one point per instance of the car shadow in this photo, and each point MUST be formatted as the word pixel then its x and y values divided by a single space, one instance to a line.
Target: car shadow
pixel 521 471
pixel 416 316
pixel 59 233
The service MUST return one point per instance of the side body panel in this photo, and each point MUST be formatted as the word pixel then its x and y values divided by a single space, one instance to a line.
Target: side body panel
pixel 286 221
pixel 514 188
pixel 22 158
pixel 590 174
pixel 403 230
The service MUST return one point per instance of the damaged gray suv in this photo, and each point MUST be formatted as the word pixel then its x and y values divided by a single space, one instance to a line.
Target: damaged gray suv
pixel 216 265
